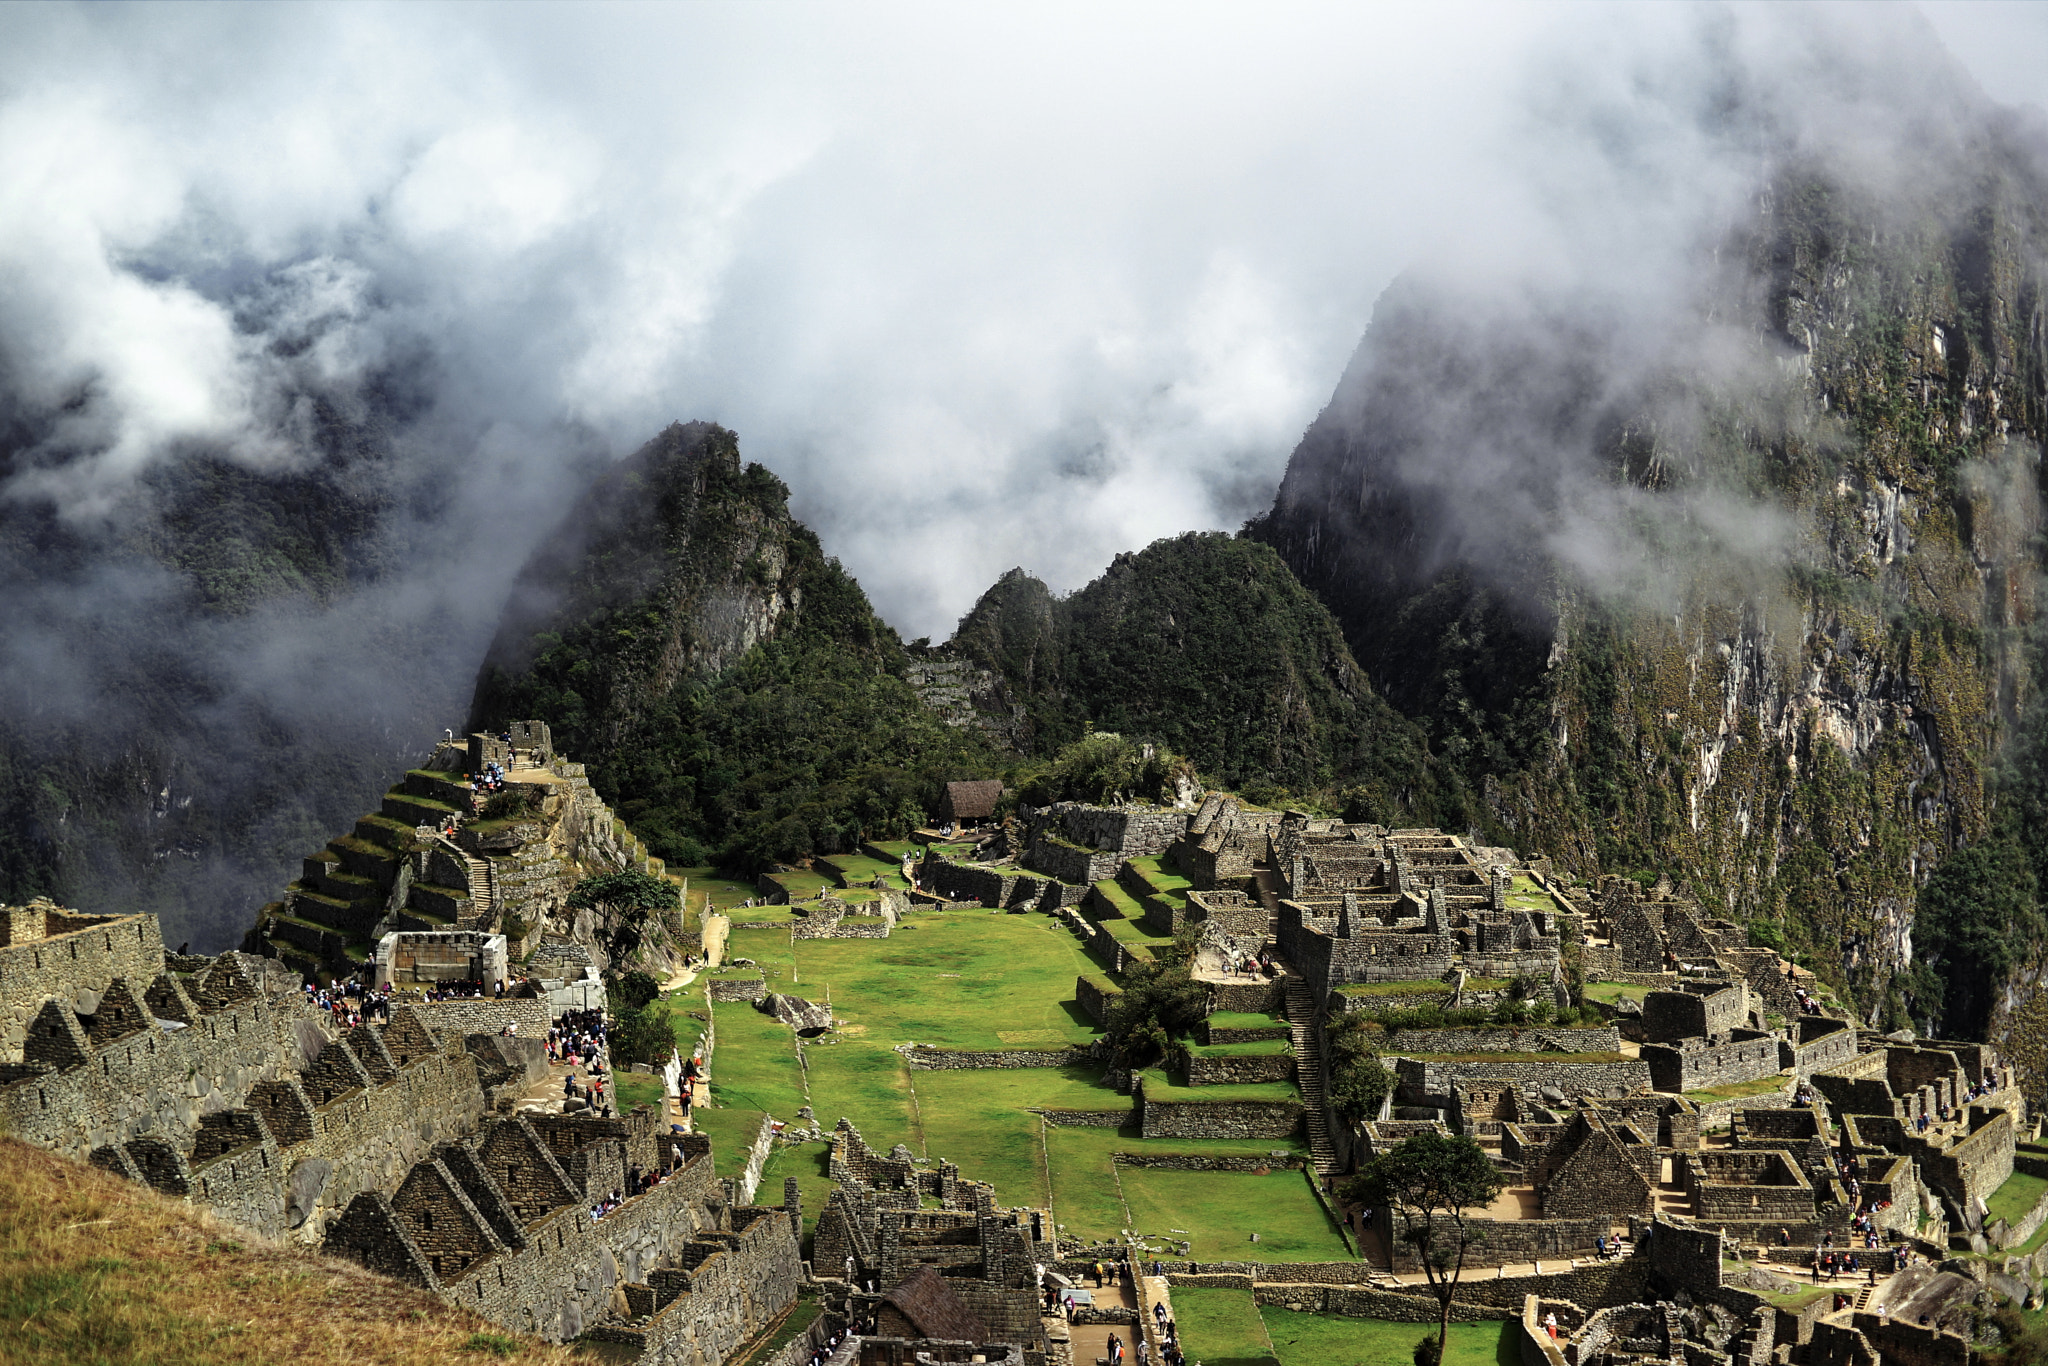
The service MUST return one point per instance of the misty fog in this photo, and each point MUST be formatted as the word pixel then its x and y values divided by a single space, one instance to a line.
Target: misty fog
pixel 986 286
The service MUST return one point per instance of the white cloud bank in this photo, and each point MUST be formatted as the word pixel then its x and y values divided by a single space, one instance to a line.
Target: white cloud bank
pixel 987 286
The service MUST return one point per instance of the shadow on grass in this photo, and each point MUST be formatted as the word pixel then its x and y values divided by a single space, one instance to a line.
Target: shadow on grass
pixel 1078 1015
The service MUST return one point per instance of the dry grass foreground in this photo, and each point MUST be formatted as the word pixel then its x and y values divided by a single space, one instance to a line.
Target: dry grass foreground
pixel 96 1271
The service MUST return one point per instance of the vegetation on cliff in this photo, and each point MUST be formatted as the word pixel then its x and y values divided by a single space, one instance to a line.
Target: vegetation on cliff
pixel 1207 645
pixel 734 694
pixel 1787 662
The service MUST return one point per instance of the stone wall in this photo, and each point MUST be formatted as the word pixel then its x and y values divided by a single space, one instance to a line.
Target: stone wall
pixel 1214 1162
pixel 1227 1070
pixel 1973 1167
pixel 1669 1016
pixel 1094 994
pixel 1218 1119
pixel 82 953
pixel 1686 1257
pixel 1508 1241
pixel 1432 1083
pixel 924 1058
pixel 1086 1119
pixel 1231 912
pixel 1531 1039
pixel 1697 1064
pixel 530 1017
pixel 1069 863
pixel 1816 1042
pixel 1211 1034
pixel 741 989
pixel 1247 998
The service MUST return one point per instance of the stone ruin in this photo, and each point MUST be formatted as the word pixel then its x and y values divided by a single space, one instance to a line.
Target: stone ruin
pixel 218 1082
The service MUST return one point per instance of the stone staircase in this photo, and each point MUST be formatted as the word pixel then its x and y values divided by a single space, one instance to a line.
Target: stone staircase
pixel 482 898
pixel 1308 1069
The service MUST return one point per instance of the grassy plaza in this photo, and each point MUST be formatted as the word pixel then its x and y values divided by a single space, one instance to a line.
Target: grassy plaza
pixel 972 980
pixel 1225 1328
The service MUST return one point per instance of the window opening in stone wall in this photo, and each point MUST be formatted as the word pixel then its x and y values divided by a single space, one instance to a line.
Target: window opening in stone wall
pixel 427 1220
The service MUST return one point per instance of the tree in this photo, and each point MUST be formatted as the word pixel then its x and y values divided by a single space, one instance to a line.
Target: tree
pixel 1359 1081
pixel 642 1035
pixel 632 991
pixel 1975 921
pixel 624 899
pixel 1159 1002
pixel 1429 1182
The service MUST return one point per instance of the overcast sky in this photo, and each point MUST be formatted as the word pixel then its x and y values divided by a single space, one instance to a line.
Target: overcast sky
pixel 987 286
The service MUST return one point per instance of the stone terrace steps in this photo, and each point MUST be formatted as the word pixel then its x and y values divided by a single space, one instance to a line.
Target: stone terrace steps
pixel 479 885
pixel 1308 1067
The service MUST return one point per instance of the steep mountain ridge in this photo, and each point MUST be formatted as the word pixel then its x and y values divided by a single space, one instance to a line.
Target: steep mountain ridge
pixel 730 686
pixel 1793 674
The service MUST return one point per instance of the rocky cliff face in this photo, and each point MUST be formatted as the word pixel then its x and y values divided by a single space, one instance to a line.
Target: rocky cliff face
pixel 1751 601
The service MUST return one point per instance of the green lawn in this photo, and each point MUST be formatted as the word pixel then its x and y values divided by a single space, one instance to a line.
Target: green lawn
pixel 810 1164
pixel 980 1120
pixel 730 1132
pixel 850 868
pixel 1134 934
pixel 754 1066
pixel 1762 1086
pixel 1087 1184
pixel 1332 1340
pixel 1121 902
pixel 631 1089
pixel 722 892
pixel 1221 1210
pixel 866 1082
pixel 768 945
pixel 2015 1199
pixel 1258 1048
pixel 1223 1328
pixel 801 886
pixel 1613 993
pixel 963 980
pixel 1158 877
pixel 1237 1019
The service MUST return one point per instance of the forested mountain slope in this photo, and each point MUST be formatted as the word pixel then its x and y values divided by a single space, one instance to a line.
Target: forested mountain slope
pixel 730 687
pixel 1207 644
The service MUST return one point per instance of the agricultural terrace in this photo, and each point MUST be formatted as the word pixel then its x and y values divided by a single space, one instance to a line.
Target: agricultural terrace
pixel 969 979
pixel 1226 1328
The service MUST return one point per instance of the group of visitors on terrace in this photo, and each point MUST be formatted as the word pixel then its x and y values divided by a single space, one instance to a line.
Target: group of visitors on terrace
pixel 349 1002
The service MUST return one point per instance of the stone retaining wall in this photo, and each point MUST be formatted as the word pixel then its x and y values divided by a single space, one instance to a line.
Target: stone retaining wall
pixel 1218 1119
pixel 1246 998
pixel 486 1016
pixel 944 1059
pixel 1239 1071
pixel 1212 1162
pixel 1094 995
pixel 742 989
pixel 1087 1119
pixel 1421 1079
pixel 1531 1039
pixel 1211 1035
